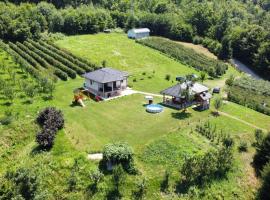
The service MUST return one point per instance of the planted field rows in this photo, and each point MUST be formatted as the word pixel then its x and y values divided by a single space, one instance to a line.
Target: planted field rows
pixel 186 56
pixel 43 56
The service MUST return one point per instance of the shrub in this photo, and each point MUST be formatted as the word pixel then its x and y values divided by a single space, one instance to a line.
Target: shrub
pixel 259 136
pixel 51 117
pixel 228 142
pixel 45 138
pixel 25 183
pixel 119 153
pixel 134 80
pixel 51 120
pixel 168 77
pixel 264 190
pixel 261 157
pixel 243 146
pixel 141 189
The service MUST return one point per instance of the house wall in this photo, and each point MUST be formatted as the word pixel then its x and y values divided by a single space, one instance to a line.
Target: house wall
pixel 94 86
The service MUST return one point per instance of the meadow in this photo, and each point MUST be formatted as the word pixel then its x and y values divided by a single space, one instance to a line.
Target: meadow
pixel 160 142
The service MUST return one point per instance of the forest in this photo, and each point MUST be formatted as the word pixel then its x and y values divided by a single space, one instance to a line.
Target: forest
pixel 229 29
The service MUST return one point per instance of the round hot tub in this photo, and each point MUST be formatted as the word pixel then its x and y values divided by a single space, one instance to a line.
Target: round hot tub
pixel 154 108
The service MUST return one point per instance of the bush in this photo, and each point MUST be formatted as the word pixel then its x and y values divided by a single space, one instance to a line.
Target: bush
pixel 261 157
pixel 243 146
pixel 45 138
pixel 119 153
pixel 51 117
pixel 264 190
pixel 167 77
pixel 51 120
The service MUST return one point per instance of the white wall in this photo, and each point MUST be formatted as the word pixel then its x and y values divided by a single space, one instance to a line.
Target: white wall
pixel 94 85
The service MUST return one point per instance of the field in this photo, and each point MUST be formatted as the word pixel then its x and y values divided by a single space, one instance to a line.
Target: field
pixel 160 142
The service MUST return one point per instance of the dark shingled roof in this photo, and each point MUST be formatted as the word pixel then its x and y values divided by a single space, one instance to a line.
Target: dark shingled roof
pixel 176 90
pixel 106 75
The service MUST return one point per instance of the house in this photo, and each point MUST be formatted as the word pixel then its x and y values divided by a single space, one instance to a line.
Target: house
pixel 200 93
pixel 106 82
pixel 138 33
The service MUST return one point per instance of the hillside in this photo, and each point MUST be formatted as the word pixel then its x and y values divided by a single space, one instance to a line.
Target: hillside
pixel 88 113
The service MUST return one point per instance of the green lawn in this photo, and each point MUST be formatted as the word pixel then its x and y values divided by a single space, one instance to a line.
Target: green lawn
pixel 160 141
pixel 124 54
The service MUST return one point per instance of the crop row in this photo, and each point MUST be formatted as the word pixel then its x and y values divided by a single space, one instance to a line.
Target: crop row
pixel 60 74
pixel 251 84
pixel 21 61
pixel 186 56
pixel 71 73
pixel 57 57
pixel 24 55
pixel 67 56
pixel 82 60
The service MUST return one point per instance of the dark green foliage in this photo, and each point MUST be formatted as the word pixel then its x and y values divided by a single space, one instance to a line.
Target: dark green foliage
pixel 71 73
pixel 141 190
pixel 262 155
pixel 24 55
pixel 57 59
pixel 120 153
pixel 226 50
pixel 50 120
pixel 67 56
pixel 259 137
pixel 164 186
pixel 186 56
pixel 51 117
pixel 210 132
pixel 167 77
pixel 263 193
pixel 243 146
pixel 45 138
pixel 19 184
pixel 198 170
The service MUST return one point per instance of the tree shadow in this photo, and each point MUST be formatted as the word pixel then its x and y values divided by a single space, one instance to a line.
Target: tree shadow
pixel 27 102
pixel 182 187
pixel 7 104
pixel 215 113
pixel 38 150
pixel 181 115
pixel 113 195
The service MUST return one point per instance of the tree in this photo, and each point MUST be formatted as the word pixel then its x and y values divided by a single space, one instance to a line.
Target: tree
pixel 203 75
pixel 264 190
pixel 30 91
pixel 9 93
pixel 141 190
pixel 226 50
pixel 24 184
pixel 262 155
pixel 119 153
pixel 218 102
pixel 118 179
pixel 45 138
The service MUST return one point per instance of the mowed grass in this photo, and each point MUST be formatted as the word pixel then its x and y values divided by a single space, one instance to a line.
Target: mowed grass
pixel 123 119
pixel 125 54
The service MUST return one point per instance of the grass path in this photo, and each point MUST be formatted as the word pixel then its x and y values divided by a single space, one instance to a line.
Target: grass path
pixel 240 120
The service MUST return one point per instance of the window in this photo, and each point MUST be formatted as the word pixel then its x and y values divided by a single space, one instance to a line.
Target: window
pixel 122 81
pixel 91 82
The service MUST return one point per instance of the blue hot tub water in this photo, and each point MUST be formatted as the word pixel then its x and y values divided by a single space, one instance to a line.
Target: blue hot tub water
pixel 154 108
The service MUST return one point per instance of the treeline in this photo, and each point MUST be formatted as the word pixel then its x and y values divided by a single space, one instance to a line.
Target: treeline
pixel 29 21
pixel 228 28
